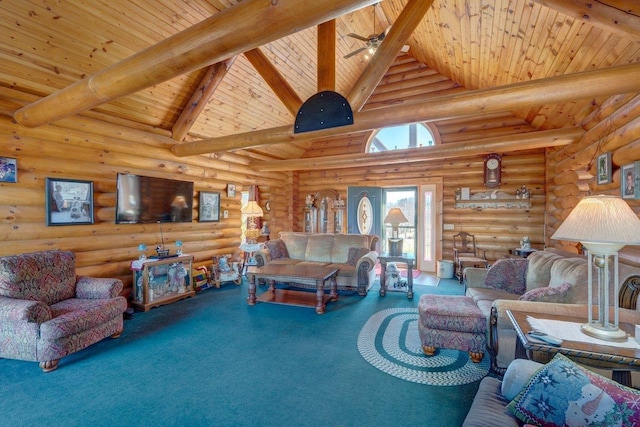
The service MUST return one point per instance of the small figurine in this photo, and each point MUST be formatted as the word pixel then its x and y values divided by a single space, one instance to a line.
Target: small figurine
pixel 310 200
pixel 525 243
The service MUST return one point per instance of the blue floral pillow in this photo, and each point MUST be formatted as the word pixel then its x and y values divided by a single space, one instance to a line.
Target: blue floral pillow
pixel 562 393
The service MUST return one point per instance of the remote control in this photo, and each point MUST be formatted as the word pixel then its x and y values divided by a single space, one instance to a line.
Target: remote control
pixel 549 339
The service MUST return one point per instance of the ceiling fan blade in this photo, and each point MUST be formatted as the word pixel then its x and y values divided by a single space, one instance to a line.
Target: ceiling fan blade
pixel 356 36
pixel 355 52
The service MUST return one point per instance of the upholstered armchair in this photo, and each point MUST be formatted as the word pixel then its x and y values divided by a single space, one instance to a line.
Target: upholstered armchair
pixel 47 312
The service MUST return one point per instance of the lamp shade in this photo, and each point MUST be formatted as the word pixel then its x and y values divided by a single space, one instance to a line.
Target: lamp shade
pixel 601 221
pixel 252 209
pixel 395 217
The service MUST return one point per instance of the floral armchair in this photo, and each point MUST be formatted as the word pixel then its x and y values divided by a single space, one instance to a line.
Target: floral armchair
pixel 47 312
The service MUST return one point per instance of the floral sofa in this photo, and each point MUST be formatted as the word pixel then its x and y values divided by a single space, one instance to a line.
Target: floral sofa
pixel 47 312
pixel 549 281
pixel 353 254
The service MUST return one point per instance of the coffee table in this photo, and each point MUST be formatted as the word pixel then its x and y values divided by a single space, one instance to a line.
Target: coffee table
pixel 621 361
pixel 292 275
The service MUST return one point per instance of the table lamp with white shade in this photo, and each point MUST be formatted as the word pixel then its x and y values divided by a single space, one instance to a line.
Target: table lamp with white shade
pixel 252 210
pixel 395 217
pixel 604 225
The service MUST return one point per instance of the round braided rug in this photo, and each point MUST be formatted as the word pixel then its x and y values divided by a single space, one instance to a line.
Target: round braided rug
pixel 390 342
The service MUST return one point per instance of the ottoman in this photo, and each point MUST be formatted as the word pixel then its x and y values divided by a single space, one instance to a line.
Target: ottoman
pixel 453 322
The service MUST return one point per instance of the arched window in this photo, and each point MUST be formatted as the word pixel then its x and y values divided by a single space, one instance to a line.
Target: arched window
pixel 401 137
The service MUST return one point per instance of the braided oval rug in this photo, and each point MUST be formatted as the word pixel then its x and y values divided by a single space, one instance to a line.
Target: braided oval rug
pixel 390 342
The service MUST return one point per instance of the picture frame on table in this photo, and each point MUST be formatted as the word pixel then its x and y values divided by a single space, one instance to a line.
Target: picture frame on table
pixel 604 169
pixel 630 181
pixel 209 207
pixel 69 201
pixel 231 190
pixel 8 170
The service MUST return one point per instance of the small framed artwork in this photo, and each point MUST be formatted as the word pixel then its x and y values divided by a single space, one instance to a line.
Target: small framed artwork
pixel 209 208
pixel 630 181
pixel 69 201
pixel 8 170
pixel 604 168
pixel 231 190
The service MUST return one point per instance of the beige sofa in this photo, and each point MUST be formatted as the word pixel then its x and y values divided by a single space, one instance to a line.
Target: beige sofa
pixel 549 281
pixel 353 254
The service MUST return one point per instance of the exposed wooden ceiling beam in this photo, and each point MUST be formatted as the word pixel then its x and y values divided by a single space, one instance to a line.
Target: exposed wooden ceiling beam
pixel 523 141
pixel 387 52
pixel 327 56
pixel 275 80
pixel 621 17
pixel 237 29
pixel 585 85
pixel 200 97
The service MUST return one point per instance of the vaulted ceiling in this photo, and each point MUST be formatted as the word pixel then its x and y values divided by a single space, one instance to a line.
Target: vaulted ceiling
pixel 46 46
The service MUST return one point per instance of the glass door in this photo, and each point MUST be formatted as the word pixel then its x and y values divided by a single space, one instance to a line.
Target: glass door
pixel 427 223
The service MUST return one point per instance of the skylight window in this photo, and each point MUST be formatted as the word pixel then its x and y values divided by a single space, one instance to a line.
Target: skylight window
pixel 401 137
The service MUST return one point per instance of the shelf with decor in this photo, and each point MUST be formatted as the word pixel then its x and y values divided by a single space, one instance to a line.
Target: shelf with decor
pixel 495 200
pixel 161 281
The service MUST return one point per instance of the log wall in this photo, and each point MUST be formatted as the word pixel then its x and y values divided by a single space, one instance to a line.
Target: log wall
pixel 90 148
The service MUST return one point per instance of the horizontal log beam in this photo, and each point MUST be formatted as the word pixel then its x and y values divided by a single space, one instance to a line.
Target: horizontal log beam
pixel 526 141
pixel 230 32
pixel 584 85
pixel 621 17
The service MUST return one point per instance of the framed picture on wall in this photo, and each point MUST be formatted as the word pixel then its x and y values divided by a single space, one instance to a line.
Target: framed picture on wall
pixel 69 201
pixel 604 168
pixel 209 207
pixel 8 170
pixel 630 181
pixel 231 190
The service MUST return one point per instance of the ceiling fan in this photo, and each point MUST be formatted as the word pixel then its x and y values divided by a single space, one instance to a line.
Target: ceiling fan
pixel 372 41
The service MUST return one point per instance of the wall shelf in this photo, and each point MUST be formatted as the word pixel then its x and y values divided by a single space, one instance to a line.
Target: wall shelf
pixel 493 200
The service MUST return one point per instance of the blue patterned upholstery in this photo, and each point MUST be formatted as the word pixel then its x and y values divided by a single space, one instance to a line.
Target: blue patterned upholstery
pixel 47 312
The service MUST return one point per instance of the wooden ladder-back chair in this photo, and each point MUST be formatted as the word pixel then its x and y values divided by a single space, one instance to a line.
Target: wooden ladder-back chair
pixel 467 254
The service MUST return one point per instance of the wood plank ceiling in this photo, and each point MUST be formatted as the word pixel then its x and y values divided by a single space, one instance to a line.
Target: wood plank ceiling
pixel 47 45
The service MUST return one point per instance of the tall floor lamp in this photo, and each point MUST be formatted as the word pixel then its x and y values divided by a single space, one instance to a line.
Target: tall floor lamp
pixel 395 217
pixel 604 225
pixel 252 210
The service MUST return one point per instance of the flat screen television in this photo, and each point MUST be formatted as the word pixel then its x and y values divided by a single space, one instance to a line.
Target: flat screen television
pixel 143 199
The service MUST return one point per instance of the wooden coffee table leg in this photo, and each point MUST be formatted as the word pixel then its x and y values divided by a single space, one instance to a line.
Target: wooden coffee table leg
pixel 333 293
pixel 272 286
pixel 320 296
pixel 252 290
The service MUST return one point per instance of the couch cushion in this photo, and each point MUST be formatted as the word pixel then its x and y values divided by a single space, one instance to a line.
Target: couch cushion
pixel 319 248
pixel 573 271
pixel 346 270
pixel 489 407
pixel 296 244
pixel 539 269
pixel 73 316
pixel 342 243
pixel 47 276
pixel 562 393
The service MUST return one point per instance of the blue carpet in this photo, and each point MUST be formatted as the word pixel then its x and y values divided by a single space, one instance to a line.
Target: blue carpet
pixel 213 360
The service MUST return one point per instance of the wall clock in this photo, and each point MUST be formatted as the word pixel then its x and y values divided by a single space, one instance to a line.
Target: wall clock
pixel 492 170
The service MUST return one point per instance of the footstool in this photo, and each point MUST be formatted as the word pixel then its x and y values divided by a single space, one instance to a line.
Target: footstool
pixel 453 322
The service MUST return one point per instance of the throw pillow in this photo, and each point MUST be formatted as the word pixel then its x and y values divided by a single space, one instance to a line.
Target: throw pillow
pixel 518 374
pixel 355 254
pixel 508 275
pixel 277 249
pixel 547 294
pixel 563 393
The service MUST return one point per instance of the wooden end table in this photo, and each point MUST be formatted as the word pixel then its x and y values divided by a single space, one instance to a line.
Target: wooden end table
pixel 385 258
pixel 292 275
pixel 621 361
